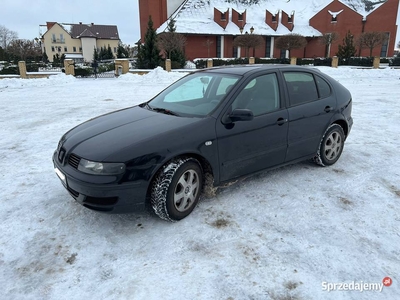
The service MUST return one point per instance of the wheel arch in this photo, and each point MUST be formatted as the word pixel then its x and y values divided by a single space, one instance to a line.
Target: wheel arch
pixel 208 172
pixel 344 125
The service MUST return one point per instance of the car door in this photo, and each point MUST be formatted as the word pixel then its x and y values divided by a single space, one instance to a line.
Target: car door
pixel 311 108
pixel 245 147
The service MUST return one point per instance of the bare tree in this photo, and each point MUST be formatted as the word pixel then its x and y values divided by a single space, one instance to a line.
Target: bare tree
pixel 6 36
pixel 248 41
pixel 371 40
pixel 328 39
pixel 24 49
pixel 170 41
pixel 290 41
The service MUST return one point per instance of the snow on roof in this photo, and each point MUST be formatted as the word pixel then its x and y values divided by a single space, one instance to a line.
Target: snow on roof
pixel 197 16
pixel 335 14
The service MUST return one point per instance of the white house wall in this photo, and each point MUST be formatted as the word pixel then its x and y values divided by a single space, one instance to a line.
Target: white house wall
pixel 88 46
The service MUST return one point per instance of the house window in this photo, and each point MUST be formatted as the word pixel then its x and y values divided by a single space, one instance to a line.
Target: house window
pixel 115 49
pixel 290 19
pixel 274 19
pixel 235 52
pixel 53 38
pixel 52 49
pixel 268 41
pixel 334 19
pixel 219 46
pixel 240 17
pixel 385 43
pixel 223 18
pixel 62 38
pixel 74 49
pixel 65 49
pixel 283 53
pixel 80 49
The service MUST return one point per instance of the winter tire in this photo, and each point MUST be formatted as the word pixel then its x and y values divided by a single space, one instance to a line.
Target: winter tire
pixel 331 146
pixel 176 189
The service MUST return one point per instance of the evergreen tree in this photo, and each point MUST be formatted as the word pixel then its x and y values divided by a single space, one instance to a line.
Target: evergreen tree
pixel 109 53
pixel 348 49
pixel 149 54
pixel 173 44
pixel 102 53
pixel 122 52
pixel 45 57
pixel 2 54
pixel 56 58
pixel 95 54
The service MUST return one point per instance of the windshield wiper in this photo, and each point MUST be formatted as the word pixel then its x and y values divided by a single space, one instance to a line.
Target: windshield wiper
pixel 163 110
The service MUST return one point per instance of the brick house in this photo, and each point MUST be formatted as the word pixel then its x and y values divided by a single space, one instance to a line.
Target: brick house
pixel 78 40
pixel 210 26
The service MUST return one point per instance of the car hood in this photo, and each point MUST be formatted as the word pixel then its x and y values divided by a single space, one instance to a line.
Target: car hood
pixel 101 138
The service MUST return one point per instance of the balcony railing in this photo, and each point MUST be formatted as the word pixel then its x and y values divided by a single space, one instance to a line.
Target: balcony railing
pixel 58 41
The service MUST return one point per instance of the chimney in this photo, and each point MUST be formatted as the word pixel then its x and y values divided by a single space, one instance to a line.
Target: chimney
pixel 239 18
pixel 288 20
pixel 272 20
pixel 50 24
pixel 221 18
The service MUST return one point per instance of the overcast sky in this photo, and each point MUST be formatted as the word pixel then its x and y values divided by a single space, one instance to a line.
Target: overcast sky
pixel 24 16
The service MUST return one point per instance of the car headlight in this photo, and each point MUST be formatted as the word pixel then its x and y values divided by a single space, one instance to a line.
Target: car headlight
pixel 98 168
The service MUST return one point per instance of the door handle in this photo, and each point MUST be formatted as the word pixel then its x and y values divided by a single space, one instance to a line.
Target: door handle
pixel 281 121
pixel 328 109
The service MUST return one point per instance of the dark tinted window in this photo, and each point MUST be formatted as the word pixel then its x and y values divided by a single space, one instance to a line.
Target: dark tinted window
pixel 260 95
pixel 301 87
pixel 323 87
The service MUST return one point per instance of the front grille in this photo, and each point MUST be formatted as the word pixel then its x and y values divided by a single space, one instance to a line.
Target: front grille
pixel 74 160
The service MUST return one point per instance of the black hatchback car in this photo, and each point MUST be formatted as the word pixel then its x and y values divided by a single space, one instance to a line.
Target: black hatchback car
pixel 209 128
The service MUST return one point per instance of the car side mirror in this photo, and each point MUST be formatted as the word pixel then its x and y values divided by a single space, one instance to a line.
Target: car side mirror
pixel 238 114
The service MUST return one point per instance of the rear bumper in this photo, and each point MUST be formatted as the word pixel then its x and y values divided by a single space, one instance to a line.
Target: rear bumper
pixel 110 198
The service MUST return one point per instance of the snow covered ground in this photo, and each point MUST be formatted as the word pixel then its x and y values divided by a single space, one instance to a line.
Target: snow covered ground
pixel 278 235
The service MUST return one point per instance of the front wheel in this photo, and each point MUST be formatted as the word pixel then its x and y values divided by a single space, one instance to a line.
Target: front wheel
pixel 176 189
pixel 331 146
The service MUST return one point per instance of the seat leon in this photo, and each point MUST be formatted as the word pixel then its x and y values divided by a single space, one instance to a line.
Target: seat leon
pixel 209 128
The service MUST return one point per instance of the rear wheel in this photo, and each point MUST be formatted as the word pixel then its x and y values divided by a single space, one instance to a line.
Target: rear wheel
pixel 176 189
pixel 331 146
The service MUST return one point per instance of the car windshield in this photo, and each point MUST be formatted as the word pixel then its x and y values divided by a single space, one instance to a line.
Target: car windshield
pixel 195 95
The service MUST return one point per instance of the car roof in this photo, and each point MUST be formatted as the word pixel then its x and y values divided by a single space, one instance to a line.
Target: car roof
pixel 248 69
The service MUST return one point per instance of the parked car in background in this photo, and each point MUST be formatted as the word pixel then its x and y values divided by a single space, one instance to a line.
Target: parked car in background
pixel 218 124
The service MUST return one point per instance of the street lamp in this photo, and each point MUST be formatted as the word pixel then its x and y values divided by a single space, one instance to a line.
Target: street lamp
pixel 251 29
pixel 241 30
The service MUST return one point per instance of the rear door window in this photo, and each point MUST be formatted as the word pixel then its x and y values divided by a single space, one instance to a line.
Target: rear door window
pixel 323 87
pixel 301 87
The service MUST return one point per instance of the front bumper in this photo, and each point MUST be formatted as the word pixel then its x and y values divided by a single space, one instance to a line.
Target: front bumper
pixel 110 198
